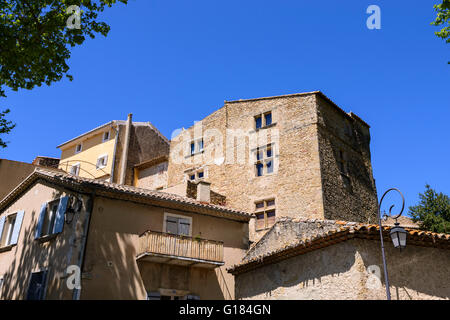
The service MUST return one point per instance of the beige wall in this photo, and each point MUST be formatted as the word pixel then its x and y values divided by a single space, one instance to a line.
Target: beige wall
pixel 153 177
pixel 112 271
pixel 12 173
pixel 93 148
pixel 30 255
pixel 341 272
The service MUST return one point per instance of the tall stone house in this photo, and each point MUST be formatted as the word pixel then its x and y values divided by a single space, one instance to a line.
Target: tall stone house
pixel 309 159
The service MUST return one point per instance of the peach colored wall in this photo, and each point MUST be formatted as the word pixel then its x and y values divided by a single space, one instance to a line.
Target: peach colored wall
pixel 111 270
pixel 30 255
pixel 12 173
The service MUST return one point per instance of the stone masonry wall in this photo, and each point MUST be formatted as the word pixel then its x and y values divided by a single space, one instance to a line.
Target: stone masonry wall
pixel 344 272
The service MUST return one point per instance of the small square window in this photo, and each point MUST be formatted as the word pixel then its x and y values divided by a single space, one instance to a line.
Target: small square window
pixel 259 205
pixel 102 162
pixel 265 214
pixel 106 136
pixel 78 148
pixel 75 169
pixel 192 177
pixel 201 174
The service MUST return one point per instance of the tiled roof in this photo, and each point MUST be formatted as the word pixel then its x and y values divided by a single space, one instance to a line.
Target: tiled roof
pixel 125 192
pixel 343 231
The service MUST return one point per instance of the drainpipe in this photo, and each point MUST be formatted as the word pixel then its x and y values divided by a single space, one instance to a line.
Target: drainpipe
pixel 116 129
pixel 90 208
pixel 125 149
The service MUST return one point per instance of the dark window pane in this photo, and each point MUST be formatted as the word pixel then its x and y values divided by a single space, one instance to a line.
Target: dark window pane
pixel 201 174
pixel 192 177
pixel 269 167
pixel 200 145
pixel 268 119
pixel 171 226
pixel 36 288
pixel 258 122
pixel 269 152
pixel 260 205
pixel 270 203
pixel 259 169
pixel 192 148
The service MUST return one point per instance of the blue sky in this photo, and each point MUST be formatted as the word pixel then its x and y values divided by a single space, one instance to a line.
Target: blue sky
pixel 173 62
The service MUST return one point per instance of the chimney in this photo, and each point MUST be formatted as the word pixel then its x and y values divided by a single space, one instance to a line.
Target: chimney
pixel 204 191
pixel 125 149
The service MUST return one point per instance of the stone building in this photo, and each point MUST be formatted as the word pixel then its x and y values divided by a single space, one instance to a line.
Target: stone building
pixel 338 260
pixel 297 155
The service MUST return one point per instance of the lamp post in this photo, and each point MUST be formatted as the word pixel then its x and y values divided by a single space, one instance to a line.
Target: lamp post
pixel 398 236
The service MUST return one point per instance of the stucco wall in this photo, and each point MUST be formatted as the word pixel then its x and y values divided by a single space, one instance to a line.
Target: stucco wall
pixel 342 272
pixel 111 270
pixel 30 255
pixel 12 173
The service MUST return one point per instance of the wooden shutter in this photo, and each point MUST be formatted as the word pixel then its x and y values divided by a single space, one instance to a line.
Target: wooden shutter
pixel 41 220
pixel 17 226
pixel 59 222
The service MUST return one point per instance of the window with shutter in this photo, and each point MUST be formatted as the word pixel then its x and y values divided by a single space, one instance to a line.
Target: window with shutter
pixel 177 224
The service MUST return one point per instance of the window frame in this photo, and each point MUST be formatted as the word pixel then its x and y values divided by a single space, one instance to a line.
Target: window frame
pixel 6 235
pixel 103 156
pixel 43 294
pixel 177 216
pixel 265 210
pixel 263 118
pixel 76 147
pixel 49 221
pixel 78 166
pixel 264 160
pixel 106 133
pixel 196 143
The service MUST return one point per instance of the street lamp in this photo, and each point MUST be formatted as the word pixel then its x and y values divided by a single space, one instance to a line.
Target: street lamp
pixel 398 236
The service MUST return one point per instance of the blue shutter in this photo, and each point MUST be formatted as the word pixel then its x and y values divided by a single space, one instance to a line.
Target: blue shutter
pixel 41 221
pixel 2 223
pixel 17 225
pixel 59 221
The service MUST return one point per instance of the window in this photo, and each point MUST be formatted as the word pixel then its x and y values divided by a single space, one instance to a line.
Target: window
pixel 75 169
pixel 263 120
pixel 264 162
pixel 78 148
pixel 179 225
pixel 342 162
pixel 102 161
pixel 10 229
pixel 195 175
pixel 37 286
pixel 51 218
pixel 196 146
pixel 105 136
pixel 265 214
pixel 1 285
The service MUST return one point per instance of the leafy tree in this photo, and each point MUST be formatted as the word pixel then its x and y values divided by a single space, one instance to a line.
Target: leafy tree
pixel 35 41
pixel 443 18
pixel 432 212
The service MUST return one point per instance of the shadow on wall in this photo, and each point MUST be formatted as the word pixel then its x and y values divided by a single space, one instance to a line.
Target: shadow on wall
pixel 110 270
pixel 31 255
pixel 413 273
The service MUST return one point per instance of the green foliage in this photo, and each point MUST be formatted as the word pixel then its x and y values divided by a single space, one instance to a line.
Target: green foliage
pixel 5 127
pixel 35 41
pixel 432 212
pixel 443 18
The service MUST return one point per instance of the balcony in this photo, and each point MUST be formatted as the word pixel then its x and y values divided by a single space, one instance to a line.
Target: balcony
pixel 179 250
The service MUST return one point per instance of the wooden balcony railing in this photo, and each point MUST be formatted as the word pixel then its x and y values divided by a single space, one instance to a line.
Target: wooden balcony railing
pixel 166 247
